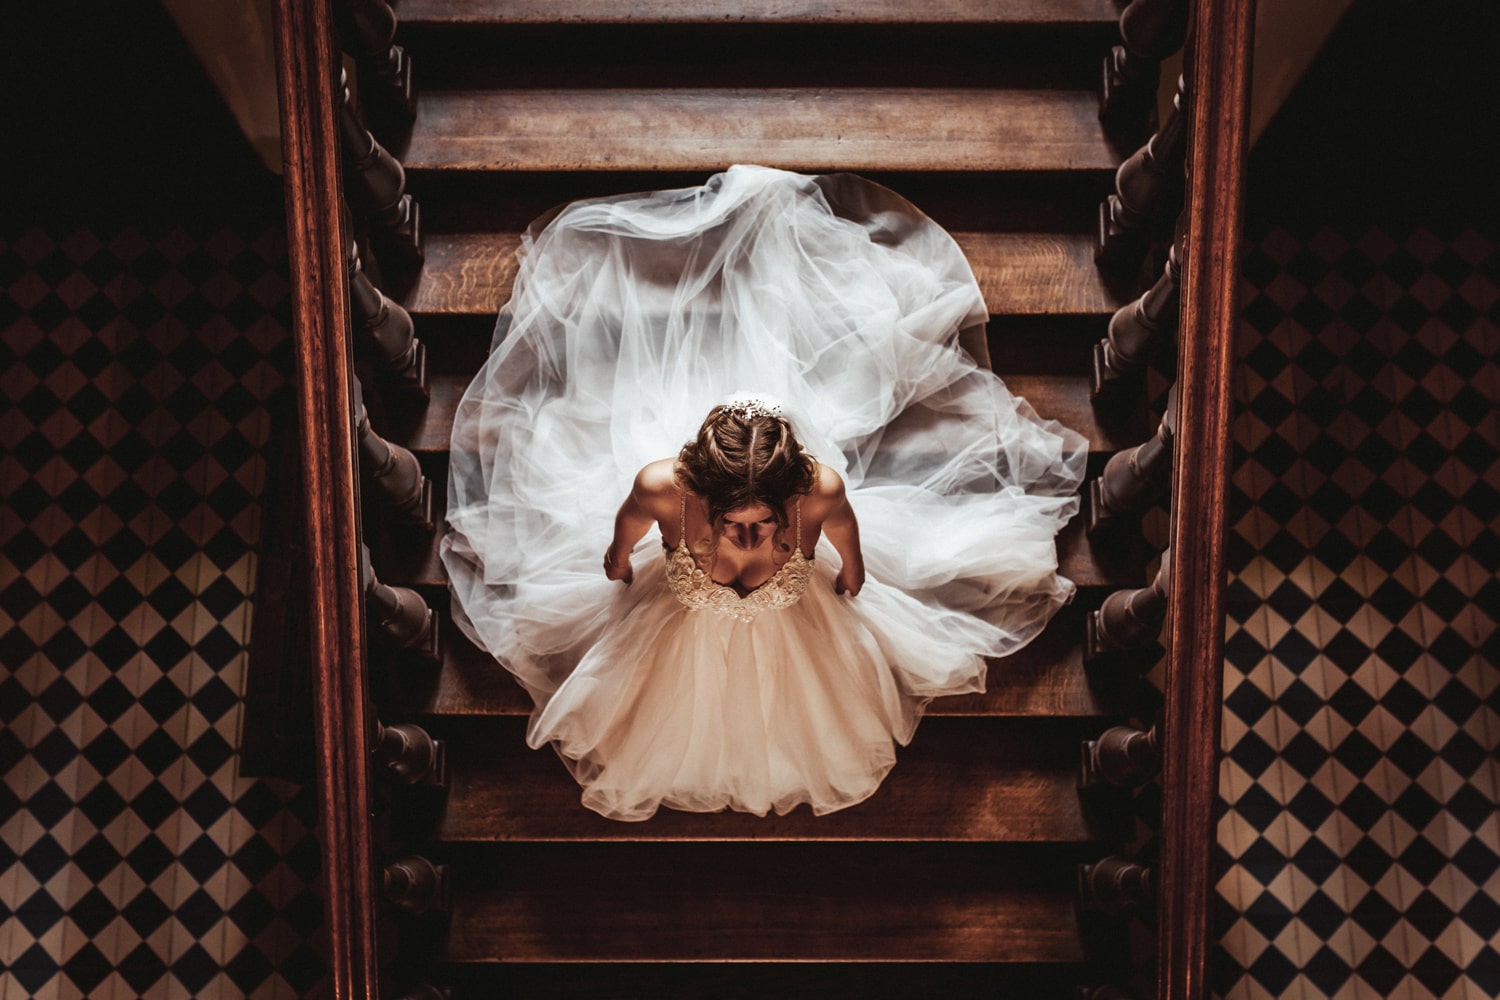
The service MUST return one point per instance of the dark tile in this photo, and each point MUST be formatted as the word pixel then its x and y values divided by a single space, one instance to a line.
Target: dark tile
pixel 49 804
pixel 33 968
pixel 87 967
pixel 1429 916
pixel 97 858
pixel 1327 971
pixel 44 858
pixel 39 913
pixel 199 913
pixel 1477 860
pixel 1436 971
pixel 149 858
pixel 142 969
pixel 1273 970
pixel 146 912
pixel 202 858
pixel 1422 859
pixel 93 912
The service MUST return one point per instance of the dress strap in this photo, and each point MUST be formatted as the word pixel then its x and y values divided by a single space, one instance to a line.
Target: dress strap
pixel 682 520
pixel 799 522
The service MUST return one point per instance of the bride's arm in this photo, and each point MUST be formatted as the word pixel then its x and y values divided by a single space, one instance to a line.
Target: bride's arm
pixel 636 516
pixel 842 529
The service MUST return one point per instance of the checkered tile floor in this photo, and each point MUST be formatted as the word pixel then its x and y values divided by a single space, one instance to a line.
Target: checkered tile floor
pixel 134 861
pixel 1360 832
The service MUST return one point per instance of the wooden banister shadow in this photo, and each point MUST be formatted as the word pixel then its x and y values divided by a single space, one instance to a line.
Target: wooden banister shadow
pixel 1218 61
pixel 307 61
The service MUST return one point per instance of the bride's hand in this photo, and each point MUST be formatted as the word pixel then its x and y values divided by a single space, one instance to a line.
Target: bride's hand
pixel 851 580
pixel 618 569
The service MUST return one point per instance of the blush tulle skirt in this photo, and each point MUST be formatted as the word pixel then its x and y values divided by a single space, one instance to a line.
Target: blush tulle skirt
pixel 631 317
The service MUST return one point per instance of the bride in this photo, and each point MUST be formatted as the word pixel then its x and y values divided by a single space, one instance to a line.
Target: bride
pixel 773 647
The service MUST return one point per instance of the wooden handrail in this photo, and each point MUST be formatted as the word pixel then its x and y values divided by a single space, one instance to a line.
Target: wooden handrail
pixel 306 68
pixel 1218 61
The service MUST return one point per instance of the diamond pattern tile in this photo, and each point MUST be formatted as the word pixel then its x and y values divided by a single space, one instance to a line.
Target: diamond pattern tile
pixel 134 368
pixel 1360 777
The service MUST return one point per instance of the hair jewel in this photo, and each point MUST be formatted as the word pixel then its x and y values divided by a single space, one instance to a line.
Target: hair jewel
pixel 747 405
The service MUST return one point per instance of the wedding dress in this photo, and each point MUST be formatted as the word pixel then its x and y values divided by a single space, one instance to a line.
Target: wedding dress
pixel 631 317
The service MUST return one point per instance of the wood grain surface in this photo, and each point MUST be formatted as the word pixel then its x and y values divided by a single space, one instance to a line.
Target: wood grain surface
pixel 1020 274
pixel 747 902
pixel 961 779
pixel 807 129
pixel 499 12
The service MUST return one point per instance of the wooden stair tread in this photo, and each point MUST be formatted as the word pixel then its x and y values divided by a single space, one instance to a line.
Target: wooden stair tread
pixel 773 902
pixel 759 980
pixel 808 129
pixel 1043 679
pixel 959 780
pixel 1020 274
pixel 429 13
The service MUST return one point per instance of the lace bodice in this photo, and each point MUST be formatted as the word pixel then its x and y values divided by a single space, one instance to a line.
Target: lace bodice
pixel 696 589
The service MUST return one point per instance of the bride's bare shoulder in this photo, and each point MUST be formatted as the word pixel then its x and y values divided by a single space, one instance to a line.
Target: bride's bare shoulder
pixel 827 493
pixel 656 484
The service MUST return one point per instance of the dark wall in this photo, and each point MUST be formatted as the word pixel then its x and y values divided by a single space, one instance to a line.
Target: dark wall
pixel 1397 119
pixel 109 116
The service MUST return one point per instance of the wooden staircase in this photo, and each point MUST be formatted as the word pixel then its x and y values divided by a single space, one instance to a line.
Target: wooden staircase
pixel 956 878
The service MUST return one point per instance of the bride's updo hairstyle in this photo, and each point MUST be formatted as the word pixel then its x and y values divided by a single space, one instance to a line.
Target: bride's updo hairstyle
pixel 744 455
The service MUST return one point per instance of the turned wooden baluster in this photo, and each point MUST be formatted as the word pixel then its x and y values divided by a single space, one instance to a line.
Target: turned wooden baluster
pixel 381 182
pixel 1147 185
pixel 416 885
pixel 387 328
pixel 409 755
pixel 399 614
pixel 1131 477
pixel 1136 332
pixel 1150 30
pixel 367 31
pixel 1129 620
pixel 392 470
pixel 1113 885
pixel 1122 757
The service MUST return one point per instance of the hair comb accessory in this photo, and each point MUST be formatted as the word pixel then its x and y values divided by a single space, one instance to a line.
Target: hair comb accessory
pixel 749 404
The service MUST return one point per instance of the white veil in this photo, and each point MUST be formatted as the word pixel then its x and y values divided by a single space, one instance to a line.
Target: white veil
pixel 633 315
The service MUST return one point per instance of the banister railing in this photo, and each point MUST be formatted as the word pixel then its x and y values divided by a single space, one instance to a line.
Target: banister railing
pixel 307 61
pixel 1218 68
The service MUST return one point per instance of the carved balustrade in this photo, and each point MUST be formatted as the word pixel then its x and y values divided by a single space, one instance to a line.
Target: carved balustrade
pixel 410 756
pixel 1148 193
pixel 379 183
pixel 367 31
pixel 392 470
pixel 1137 331
pixel 386 332
pixel 1129 620
pixel 1114 886
pixel 399 616
pixel 1150 31
pixel 416 885
pixel 1131 478
pixel 1121 757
